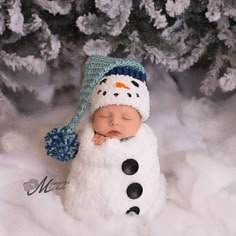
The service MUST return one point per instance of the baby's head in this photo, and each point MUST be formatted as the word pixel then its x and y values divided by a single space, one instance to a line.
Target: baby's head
pixel 119 103
pixel 111 85
pixel 116 121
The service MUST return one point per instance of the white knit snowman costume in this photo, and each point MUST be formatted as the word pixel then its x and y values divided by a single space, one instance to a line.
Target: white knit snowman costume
pixel 117 177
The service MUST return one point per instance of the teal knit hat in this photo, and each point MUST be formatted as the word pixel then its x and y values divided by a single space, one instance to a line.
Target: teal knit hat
pixel 62 143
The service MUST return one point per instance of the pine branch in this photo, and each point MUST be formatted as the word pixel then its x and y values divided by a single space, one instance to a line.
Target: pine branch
pixel 230 11
pixel 13 85
pixel 23 99
pixel 90 24
pixel 214 10
pixel 195 54
pixel 55 6
pixel 115 26
pixel 16 19
pixel 97 47
pixel 109 7
pixel 33 25
pixel 177 7
pixel 225 33
pixel 179 35
pixel 173 62
pixel 49 44
pixel 210 83
pixel 30 63
pixel 159 19
pixel 228 81
pixel 135 48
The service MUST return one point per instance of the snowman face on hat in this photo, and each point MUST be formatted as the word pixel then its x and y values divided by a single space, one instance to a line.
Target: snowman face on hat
pixel 121 90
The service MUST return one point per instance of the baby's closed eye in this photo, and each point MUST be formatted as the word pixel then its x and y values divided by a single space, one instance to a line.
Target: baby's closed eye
pixel 104 116
pixel 126 118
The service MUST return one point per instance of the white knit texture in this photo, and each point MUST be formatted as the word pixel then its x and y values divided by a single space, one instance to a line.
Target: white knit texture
pixel 139 98
pixel 98 184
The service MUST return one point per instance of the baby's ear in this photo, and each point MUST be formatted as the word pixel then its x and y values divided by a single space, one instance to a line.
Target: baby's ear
pixel 61 143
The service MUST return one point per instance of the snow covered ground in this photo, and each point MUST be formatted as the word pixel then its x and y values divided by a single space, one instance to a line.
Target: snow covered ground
pixel 197 147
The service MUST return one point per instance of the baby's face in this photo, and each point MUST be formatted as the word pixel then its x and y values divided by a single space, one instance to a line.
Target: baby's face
pixel 116 121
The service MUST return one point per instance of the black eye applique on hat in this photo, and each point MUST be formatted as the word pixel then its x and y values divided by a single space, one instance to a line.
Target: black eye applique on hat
pixel 135 83
pixel 103 81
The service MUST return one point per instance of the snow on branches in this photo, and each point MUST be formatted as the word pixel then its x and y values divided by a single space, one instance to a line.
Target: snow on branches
pixel 97 47
pixel 56 6
pixel 175 61
pixel 214 10
pixel 117 11
pixel 178 42
pixel 30 63
pixel 228 81
pixel 90 24
pixel 177 7
pixel 226 32
pixel 49 44
pixel 210 84
pixel 175 33
pixel 16 19
pixel 46 43
pixel 159 19
pixel 109 7
pixel 33 25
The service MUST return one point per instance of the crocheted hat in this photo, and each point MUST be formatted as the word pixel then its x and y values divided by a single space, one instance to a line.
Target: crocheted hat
pixel 107 81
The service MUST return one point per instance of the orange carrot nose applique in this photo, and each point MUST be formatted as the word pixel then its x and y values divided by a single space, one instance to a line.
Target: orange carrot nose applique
pixel 121 85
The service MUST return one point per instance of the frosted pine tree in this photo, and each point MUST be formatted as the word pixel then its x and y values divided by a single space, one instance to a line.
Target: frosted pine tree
pixel 50 40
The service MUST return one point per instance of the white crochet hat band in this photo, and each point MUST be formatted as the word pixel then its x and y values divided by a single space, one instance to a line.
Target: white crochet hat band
pixel 121 90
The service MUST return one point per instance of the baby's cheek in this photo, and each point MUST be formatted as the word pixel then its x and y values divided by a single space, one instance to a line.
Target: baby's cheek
pixel 134 129
pixel 102 127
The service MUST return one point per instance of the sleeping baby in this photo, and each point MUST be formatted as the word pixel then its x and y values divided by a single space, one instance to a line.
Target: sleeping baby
pixel 116 168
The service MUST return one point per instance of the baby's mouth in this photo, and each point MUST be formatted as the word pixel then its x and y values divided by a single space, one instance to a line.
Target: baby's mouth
pixel 113 132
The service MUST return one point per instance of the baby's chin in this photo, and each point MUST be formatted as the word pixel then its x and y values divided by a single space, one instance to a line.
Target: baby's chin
pixel 117 135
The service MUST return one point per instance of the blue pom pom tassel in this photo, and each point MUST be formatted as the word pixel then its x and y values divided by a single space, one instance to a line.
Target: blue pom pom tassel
pixel 61 144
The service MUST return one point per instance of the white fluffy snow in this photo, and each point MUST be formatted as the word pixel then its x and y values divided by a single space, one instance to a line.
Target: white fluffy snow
pixel 197 148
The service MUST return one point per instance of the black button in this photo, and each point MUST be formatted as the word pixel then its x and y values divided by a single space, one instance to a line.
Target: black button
pixel 130 166
pixel 134 209
pixel 134 190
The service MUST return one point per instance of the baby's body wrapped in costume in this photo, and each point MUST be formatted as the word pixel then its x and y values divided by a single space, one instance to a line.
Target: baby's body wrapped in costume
pixel 117 177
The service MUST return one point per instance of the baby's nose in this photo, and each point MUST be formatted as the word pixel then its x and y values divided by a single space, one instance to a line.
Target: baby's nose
pixel 115 121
